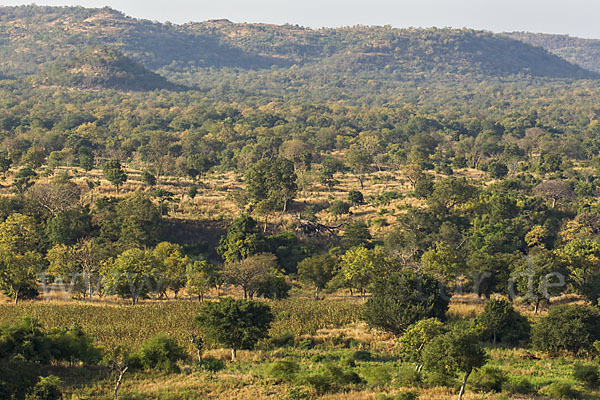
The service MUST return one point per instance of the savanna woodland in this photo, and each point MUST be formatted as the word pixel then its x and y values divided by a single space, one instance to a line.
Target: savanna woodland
pixel 248 211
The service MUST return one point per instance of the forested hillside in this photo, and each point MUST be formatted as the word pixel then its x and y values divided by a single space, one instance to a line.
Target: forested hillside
pixel 31 37
pixel 583 52
pixel 357 213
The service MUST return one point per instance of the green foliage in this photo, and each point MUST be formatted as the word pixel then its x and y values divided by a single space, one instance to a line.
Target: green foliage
pixel 276 180
pixel 356 234
pixel 242 240
pixel 339 207
pixel 114 173
pixel 160 352
pixel 284 370
pixel 356 197
pixel 48 388
pixel 416 337
pixel 133 274
pixel 236 324
pixel 457 351
pixel 318 270
pixel 519 385
pixel 402 298
pixel 587 374
pixel 562 390
pixel 567 328
pixel 501 322
pixel 488 379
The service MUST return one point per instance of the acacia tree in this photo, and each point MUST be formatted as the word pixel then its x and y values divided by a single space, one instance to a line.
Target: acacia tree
pixel 359 267
pixel 417 336
pixel 358 160
pixel 235 324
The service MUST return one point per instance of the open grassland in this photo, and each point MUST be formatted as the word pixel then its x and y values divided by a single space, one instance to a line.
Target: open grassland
pixel 312 333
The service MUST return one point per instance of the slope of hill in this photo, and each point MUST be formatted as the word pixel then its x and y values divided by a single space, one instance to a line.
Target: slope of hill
pixel 31 37
pixel 101 67
pixel 583 52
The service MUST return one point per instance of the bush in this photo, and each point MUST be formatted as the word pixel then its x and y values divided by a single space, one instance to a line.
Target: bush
pixel 562 390
pixel 587 374
pixel 519 385
pixel 332 377
pixel 306 344
pixel 408 377
pixel 567 328
pixel 47 388
pixel 362 355
pixel 74 345
pixel 162 353
pixel 284 370
pixel 488 379
pixel 378 375
pixel 339 207
pixel 212 365
pixel 356 197
pixel 284 339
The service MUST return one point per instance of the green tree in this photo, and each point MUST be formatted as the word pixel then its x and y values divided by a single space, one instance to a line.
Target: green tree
pixel 402 298
pixel 501 322
pixel 359 160
pixel 318 270
pixel 250 272
pixel 173 265
pixel 19 273
pixel 236 324
pixel 133 274
pixel 114 173
pixel 417 336
pixel 569 328
pixel 359 267
pixel 356 234
pixel 444 262
pixel 201 276
pixel 272 179
pixel 242 240
pixel 457 351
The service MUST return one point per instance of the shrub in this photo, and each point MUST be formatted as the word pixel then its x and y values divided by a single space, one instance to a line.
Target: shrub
pixel 47 388
pixel 298 393
pixel 519 385
pixel 562 390
pixel 362 355
pixel 567 328
pixel 74 345
pixel 339 207
pixel 284 370
pixel 378 375
pixel 356 197
pixel 212 365
pixel 587 374
pixel 162 353
pixel 488 379
pixel 284 339
pixel 332 377
pixel 408 377
pixel 410 395
pixel 306 344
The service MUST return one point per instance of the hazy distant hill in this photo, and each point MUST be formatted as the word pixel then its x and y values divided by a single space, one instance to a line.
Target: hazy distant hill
pixel 101 67
pixel 32 37
pixel 583 52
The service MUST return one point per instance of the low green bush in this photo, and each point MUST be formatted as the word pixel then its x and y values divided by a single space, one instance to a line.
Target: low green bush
pixel 562 390
pixel 47 388
pixel 519 385
pixel 162 353
pixel 362 355
pixel 284 370
pixel 488 379
pixel 586 374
